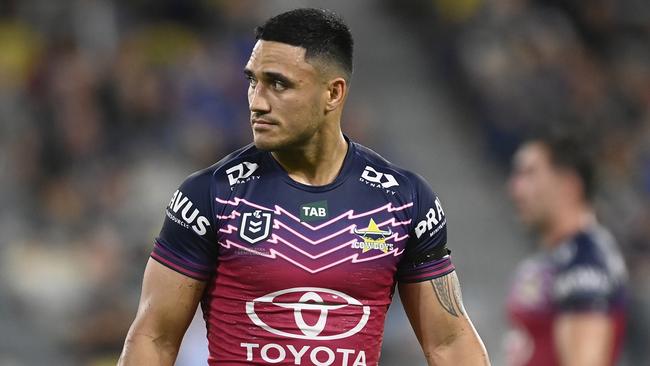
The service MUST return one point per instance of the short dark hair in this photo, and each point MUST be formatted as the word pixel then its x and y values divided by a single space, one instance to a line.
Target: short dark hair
pixel 572 152
pixel 322 33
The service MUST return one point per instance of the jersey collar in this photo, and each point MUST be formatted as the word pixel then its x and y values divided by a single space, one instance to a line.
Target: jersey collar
pixel 340 178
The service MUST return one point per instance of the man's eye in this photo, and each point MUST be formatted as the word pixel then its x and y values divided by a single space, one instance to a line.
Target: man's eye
pixel 251 81
pixel 279 85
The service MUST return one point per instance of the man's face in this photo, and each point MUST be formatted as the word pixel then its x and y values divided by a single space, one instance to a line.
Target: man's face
pixel 534 184
pixel 286 96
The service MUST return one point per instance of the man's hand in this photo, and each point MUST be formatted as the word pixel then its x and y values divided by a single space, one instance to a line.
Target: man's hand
pixel 445 332
pixel 167 306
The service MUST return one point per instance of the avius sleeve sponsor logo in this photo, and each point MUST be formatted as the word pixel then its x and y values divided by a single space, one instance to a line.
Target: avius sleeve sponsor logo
pixel 190 217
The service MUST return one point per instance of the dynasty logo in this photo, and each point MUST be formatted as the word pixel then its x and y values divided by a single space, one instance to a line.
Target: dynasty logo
pixel 375 179
pixel 242 173
pixel 373 238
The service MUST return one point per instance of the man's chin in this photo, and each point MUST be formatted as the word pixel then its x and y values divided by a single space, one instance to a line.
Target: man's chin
pixel 275 143
pixel 265 144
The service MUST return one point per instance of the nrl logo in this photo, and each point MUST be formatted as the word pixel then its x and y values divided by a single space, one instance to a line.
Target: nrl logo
pixel 255 226
pixel 373 238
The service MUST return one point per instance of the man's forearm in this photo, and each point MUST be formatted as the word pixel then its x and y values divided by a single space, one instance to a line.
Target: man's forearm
pixel 438 317
pixel 464 348
pixel 142 349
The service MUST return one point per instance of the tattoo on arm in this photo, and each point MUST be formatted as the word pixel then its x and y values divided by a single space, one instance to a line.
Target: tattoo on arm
pixel 447 290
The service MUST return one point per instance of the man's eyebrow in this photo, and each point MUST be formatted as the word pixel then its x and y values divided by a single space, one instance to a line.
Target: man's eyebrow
pixel 276 76
pixel 270 75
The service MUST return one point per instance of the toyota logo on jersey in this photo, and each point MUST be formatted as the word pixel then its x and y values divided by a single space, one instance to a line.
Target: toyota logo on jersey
pixel 317 313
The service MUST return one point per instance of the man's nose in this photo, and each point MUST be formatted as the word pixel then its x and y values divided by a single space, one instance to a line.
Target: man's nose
pixel 257 101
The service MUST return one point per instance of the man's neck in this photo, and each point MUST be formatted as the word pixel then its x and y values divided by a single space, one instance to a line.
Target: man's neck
pixel 566 223
pixel 317 163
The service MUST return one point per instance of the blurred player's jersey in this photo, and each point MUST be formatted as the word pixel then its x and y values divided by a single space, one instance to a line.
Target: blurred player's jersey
pixel 298 274
pixel 584 274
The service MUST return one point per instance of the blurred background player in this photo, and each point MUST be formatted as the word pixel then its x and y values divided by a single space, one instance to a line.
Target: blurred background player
pixel 567 301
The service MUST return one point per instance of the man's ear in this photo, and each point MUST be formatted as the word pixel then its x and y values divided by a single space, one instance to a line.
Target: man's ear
pixel 337 89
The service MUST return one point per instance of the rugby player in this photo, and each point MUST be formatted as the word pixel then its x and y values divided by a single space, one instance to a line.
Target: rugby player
pixel 567 301
pixel 293 244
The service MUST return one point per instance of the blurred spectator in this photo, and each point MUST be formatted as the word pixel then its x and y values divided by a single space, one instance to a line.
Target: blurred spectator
pixel 101 102
pixel 522 65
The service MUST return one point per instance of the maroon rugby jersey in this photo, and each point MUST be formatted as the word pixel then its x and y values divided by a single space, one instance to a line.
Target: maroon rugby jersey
pixel 585 273
pixel 298 274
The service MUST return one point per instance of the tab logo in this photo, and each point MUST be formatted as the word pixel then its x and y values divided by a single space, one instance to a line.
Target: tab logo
pixel 313 211
pixel 242 173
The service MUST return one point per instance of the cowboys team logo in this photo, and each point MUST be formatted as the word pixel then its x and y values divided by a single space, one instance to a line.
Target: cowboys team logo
pixel 255 226
pixel 373 238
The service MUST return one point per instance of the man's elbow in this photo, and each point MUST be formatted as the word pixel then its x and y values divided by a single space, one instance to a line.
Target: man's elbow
pixel 442 345
pixel 462 346
pixel 440 349
pixel 149 347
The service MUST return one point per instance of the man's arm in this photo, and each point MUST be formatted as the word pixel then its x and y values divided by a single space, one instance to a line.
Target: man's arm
pixel 167 305
pixel 584 339
pixel 445 332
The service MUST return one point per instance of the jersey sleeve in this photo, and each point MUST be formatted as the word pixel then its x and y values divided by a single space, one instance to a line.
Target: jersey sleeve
pixel 584 282
pixel 187 240
pixel 426 255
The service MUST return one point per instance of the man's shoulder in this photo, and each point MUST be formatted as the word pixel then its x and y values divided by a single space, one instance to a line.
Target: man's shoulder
pixel 591 248
pixel 238 164
pixel 590 273
pixel 248 153
pixel 379 168
pixel 593 244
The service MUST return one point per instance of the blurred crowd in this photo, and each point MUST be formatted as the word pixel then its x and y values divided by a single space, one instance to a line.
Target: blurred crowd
pixel 105 106
pixel 519 67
